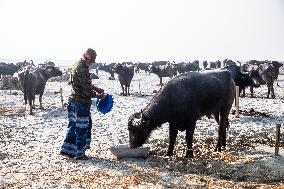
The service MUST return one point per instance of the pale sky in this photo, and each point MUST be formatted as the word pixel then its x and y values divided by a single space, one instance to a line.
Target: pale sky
pixel 142 30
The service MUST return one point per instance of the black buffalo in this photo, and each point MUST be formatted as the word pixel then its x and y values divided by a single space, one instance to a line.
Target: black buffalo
pixel 268 75
pixel 109 69
pixel 164 71
pixel 243 79
pixel 33 81
pixel 181 103
pixel 187 67
pixel 142 66
pixel 205 64
pixel 213 65
pixel 267 71
pixel 125 74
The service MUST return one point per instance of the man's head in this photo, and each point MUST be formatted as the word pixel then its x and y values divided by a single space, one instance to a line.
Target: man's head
pixel 90 56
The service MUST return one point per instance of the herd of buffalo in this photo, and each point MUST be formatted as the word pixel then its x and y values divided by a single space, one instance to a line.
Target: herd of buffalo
pixel 191 93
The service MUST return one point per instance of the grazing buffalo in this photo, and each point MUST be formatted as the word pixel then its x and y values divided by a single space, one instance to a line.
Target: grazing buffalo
pixel 254 63
pixel 125 74
pixel 267 71
pixel 181 102
pixel 268 75
pixel 109 69
pixel 142 66
pixel 187 67
pixel 33 82
pixel 243 79
pixel 164 71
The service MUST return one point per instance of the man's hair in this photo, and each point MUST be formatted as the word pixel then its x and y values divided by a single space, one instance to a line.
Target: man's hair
pixel 89 52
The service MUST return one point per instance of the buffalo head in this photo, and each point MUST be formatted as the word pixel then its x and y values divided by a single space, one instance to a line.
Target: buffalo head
pixel 256 78
pixel 139 129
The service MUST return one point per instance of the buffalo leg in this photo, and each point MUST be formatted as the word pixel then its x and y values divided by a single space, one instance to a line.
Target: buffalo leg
pixel 268 92
pixel 251 91
pixel 222 132
pixel 161 81
pixel 33 103
pixel 30 97
pixel 189 140
pixel 125 90
pixel 122 89
pixel 243 93
pixel 31 106
pixel 31 110
pixel 216 116
pixel 25 98
pixel 128 93
pixel 270 89
pixel 272 93
pixel 40 101
pixel 173 135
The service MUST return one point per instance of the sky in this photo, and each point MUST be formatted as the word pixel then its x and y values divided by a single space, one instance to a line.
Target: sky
pixel 142 30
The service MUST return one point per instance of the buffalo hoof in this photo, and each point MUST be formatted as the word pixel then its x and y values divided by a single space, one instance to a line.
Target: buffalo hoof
pixel 189 154
pixel 169 154
pixel 217 149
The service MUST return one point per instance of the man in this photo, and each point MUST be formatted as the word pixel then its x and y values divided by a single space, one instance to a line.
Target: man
pixel 78 136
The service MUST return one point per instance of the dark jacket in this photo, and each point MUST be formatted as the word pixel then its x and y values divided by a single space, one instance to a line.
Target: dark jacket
pixel 81 84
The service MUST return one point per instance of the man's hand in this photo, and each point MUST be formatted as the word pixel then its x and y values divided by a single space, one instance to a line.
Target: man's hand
pixel 98 90
pixel 101 96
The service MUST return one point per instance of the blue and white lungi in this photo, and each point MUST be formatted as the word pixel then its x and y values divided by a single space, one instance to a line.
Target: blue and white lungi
pixel 78 137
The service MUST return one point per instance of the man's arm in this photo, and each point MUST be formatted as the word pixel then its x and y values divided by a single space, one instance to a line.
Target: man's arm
pixel 98 90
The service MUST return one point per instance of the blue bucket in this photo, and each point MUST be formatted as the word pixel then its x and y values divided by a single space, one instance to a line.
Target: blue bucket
pixel 104 105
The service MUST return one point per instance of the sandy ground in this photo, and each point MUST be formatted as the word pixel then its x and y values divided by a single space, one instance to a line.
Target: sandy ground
pixel 29 155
